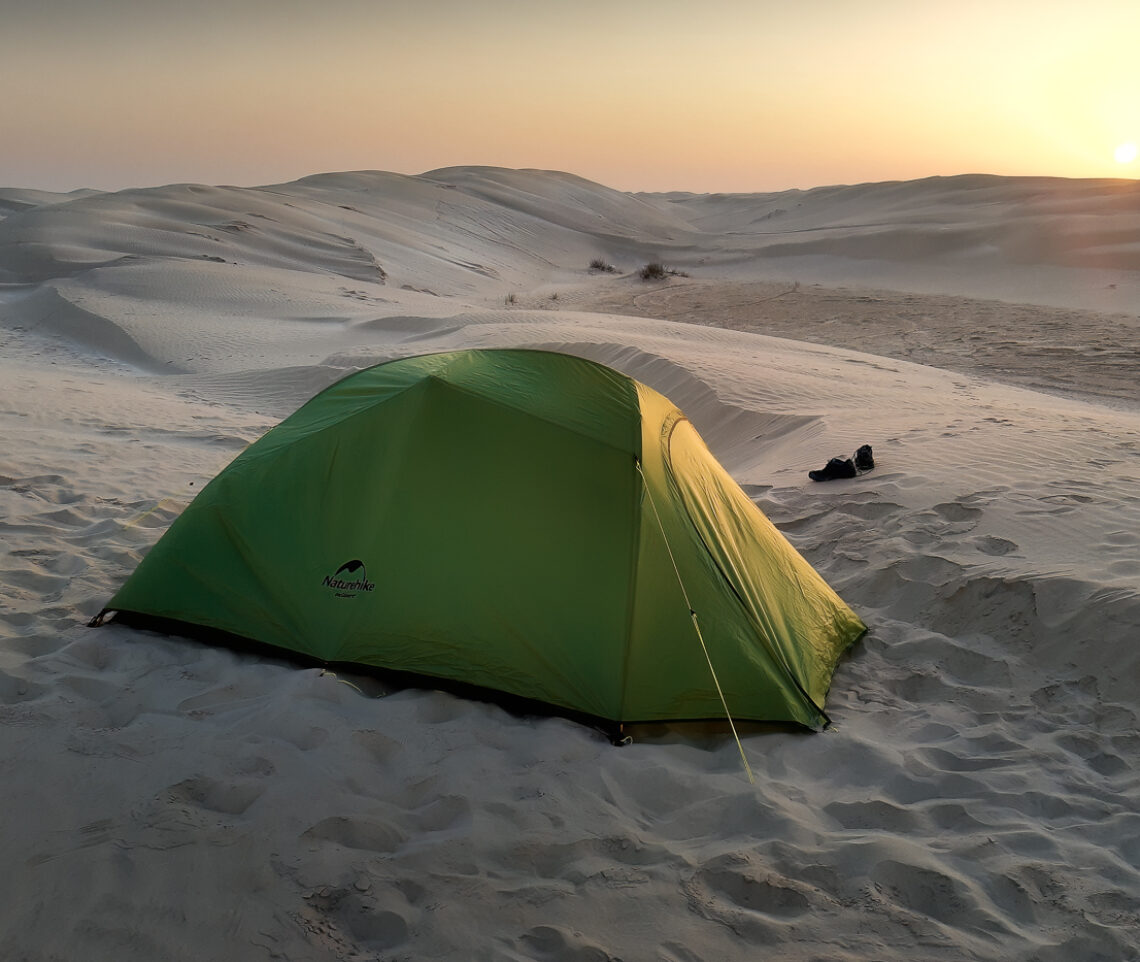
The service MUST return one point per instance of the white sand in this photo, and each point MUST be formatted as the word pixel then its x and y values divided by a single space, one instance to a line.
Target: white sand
pixel 978 798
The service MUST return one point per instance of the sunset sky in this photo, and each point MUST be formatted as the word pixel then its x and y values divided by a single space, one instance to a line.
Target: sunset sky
pixel 716 95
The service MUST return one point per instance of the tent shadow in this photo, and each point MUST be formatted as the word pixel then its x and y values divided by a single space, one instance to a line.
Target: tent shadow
pixel 378 682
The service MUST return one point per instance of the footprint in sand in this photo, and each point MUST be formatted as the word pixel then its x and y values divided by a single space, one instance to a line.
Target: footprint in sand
pixel 14 689
pixel 875 814
pixel 552 943
pixel 928 892
pixel 379 747
pixel 993 546
pixel 226 797
pixel 357 832
pixel 956 511
pixel 340 918
pixel 747 886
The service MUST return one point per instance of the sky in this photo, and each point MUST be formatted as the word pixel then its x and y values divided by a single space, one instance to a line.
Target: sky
pixel 655 95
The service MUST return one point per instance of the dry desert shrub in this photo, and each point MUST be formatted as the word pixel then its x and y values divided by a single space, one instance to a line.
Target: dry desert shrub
pixel 656 271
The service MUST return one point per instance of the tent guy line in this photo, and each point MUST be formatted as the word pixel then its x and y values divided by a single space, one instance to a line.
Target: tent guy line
pixel 697 628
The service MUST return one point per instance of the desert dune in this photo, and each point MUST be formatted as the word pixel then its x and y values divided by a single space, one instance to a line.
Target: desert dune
pixel 977 795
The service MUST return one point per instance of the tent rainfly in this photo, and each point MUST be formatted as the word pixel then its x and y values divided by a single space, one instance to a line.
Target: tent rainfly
pixel 523 521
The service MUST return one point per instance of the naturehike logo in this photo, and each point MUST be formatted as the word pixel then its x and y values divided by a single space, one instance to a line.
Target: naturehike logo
pixel 340 584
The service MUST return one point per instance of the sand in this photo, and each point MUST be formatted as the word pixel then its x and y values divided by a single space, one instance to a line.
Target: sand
pixel 977 797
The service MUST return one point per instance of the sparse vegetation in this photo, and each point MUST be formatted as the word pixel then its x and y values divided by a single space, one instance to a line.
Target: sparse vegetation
pixel 510 299
pixel 656 271
pixel 554 296
pixel 602 266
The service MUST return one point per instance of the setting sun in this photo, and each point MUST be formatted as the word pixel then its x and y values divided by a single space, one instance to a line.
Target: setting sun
pixel 1126 153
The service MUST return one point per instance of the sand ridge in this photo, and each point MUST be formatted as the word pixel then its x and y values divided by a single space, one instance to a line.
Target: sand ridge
pixel 976 798
pixel 1062 351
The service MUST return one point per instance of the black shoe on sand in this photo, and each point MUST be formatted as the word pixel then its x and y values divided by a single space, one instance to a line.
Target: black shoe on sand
pixel 846 467
pixel 835 468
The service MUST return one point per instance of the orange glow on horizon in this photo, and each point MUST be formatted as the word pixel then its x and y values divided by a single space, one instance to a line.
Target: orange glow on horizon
pixel 723 95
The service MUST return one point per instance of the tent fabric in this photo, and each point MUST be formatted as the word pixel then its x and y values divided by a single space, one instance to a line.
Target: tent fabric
pixel 523 521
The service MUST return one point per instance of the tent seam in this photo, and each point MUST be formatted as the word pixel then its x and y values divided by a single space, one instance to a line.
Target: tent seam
pixel 776 655
pixel 523 411
pixel 634 568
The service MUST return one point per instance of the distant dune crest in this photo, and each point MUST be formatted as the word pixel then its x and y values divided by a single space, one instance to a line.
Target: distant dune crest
pixel 975 235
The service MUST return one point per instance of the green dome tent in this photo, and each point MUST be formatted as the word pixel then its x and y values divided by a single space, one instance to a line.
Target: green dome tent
pixel 522 521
